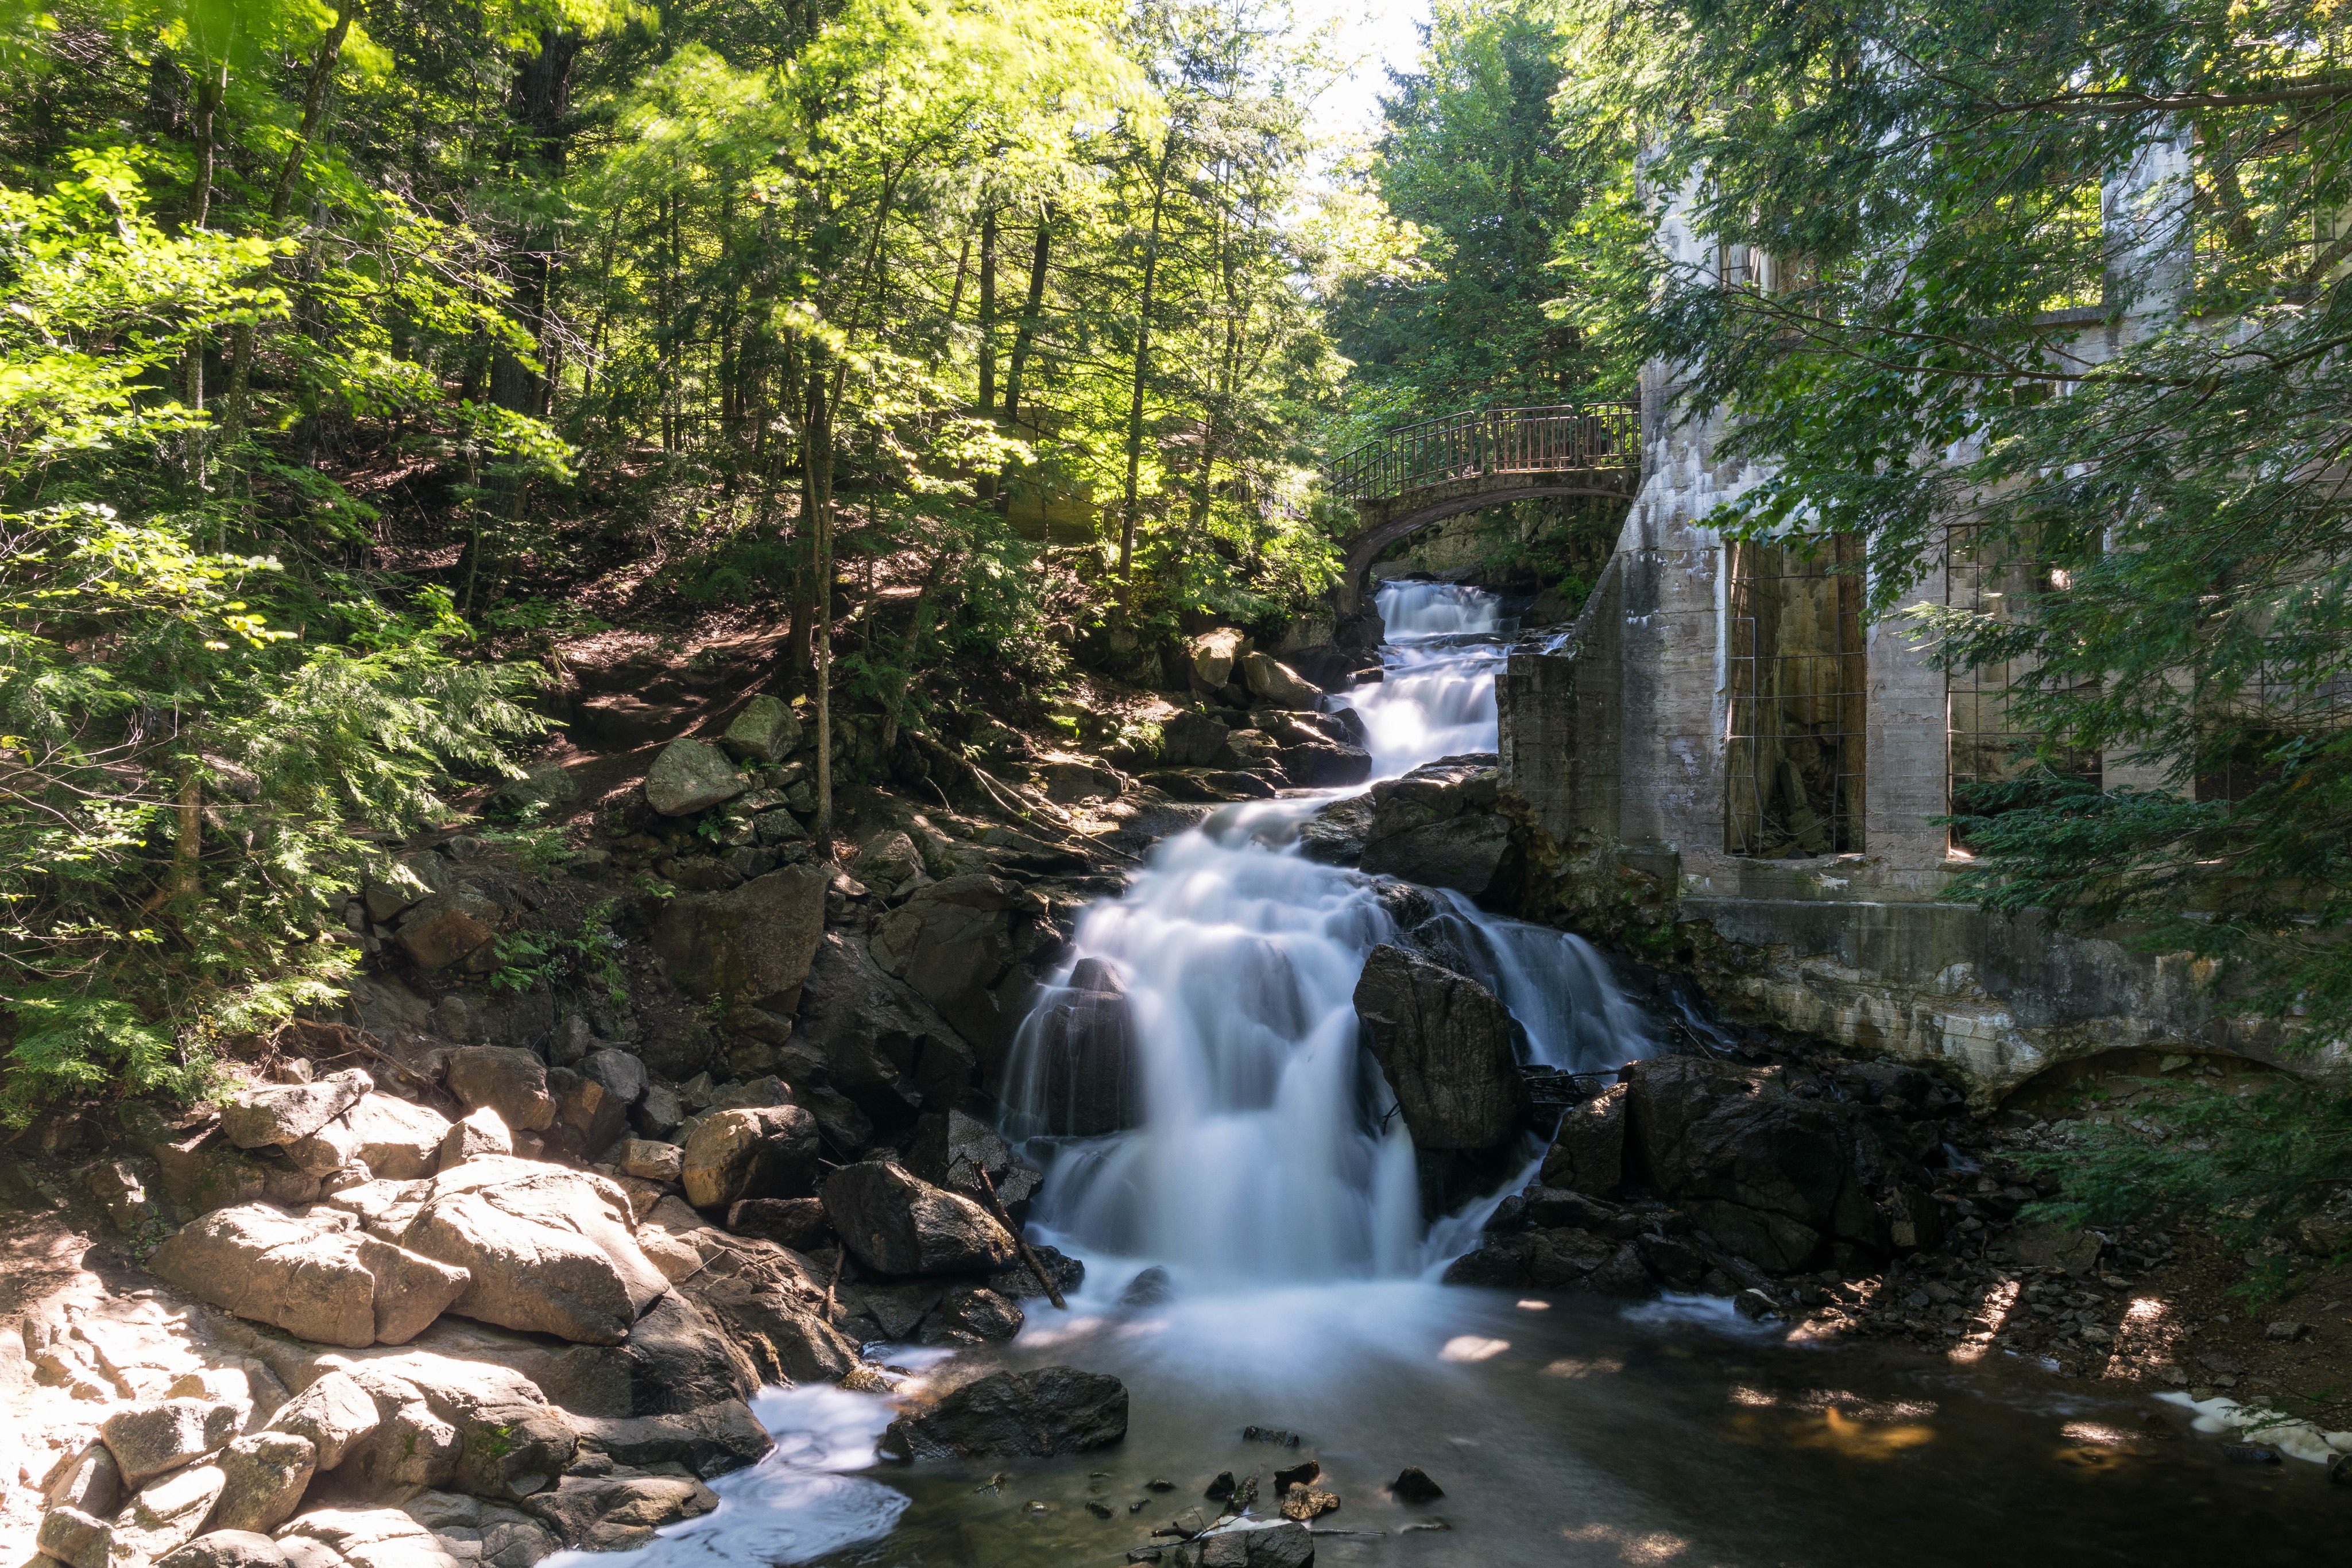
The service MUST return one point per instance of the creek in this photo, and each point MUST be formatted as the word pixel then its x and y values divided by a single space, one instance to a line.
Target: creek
pixel 1272 1186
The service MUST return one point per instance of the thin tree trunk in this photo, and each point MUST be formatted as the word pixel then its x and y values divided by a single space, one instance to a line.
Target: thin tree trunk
pixel 314 104
pixel 988 332
pixel 816 450
pixel 918 628
pixel 955 295
pixel 1142 362
pixel 187 880
pixel 212 87
pixel 1030 310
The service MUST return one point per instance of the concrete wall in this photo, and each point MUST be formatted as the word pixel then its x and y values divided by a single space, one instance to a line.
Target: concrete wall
pixel 1614 748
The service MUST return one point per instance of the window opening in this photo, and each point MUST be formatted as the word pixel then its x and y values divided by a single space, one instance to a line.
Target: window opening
pixel 1987 741
pixel 1794 740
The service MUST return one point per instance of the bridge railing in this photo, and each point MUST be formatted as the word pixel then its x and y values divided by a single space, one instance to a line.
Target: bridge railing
pixel 1490 441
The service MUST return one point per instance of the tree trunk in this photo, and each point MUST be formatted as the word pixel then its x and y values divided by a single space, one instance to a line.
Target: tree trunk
pixel 1030 310
pixel 816 455
pixel 988 332
pixel 323 61
pixel 1142 361
pixel 539 104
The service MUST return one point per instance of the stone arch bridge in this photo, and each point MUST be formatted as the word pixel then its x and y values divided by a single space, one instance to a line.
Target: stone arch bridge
pixel 1405 479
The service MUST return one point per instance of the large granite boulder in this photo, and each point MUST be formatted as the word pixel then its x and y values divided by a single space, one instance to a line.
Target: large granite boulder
pixel 546 1250
pixel 954 942
pixel 764 1151
pixel 270 1115
pixel 690 776
pixel 1275 683
pixel 157 1436
pixel 748 944
pixel 873 1040
pixel 470 1426
pixel 898 1224
pixel 767 731
pixel 319 1276
pixel 511 1082
pixel 620 1513
pixel 1051 1410
pixel 1437 826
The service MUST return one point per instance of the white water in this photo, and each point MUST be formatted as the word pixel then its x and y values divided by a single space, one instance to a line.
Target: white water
pixel 1261 1156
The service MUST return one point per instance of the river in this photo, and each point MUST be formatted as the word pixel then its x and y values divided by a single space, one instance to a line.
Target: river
pixel 1272 1187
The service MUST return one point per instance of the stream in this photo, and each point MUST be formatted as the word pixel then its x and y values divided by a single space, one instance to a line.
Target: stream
pixel 1274 1189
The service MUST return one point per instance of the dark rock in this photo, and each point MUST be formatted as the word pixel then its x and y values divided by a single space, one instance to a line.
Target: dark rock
pixel 954 942
pixel 619 1513
pixel 1305 1470
pixel 589 1116
pixel 1554 1208
pixel 1280 1437
pixel 884 1047
pixel 896 1312
pixel 765 1151
pixel 618 1072
pixel 748 944
pixel 1446 1044
pixel 1084 1059
pixel 1149 1289
pixel 1413 1485
pixel 1755 1305
pixel 972 1314
pixel 1018 1284
pixel 1336 834
pixel 950 1150
pixel 897 1224
pixel 1437 826
pixel 2249 1454
pixel 1588 1152
pixel 798 1223
pixel 1677 1264
pixel 1194 740
pixel 1220 1488
pixel 1051 1410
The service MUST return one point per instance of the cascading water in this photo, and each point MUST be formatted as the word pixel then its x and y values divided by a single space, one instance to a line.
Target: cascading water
pixel 1262 1153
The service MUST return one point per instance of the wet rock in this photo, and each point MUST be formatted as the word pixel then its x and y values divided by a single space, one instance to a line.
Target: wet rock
pixel 777 1322
pixel 1280 1437
pixel 511 1082
pixel 972 1314
pixel 1085 1057
pixel 1755 1305
pixel 897 1224
pixel 1151 1288
pixel 769 1152
pixel 689 775
pixel 1446 1044
pixel 714 1440
pixel 1303 1502
pixel 883 1048
pixel 480 1132
pixel 620 1513
pixel 1336 834
pixel 275 1114
pixel 1413 1486
pixel 750 945
pixel 952 1150
pixel 798 1223
pixel 954 942
pixel 1018 1284
pixel 1220 1487
pixel 1437 827
pixel 1051 1410
pixel 767 731
pixel 1251 1544
pixel 1588 1152
pixel 548 1249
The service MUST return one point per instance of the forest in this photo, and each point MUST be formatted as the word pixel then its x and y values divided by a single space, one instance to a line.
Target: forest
pixel 356 357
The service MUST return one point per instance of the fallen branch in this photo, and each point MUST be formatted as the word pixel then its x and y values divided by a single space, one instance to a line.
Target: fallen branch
pixel 1037 1265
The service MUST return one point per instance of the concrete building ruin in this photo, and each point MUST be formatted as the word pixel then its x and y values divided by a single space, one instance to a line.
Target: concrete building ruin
pixel 1726 759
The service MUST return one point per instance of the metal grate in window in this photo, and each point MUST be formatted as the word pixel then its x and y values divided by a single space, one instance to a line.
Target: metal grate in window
pixel 1794 742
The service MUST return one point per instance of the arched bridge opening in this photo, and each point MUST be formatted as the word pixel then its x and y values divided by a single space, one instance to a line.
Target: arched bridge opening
pixel 1404 480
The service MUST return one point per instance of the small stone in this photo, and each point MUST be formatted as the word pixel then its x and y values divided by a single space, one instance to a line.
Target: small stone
pixel 1157 1484
pixel 2288 1330
pixel 481 1132
pixel 1302 1502
pixel 1222 1488
pixel 1756 1307
pixel 1280 1437
pixel 1149 1289
pixel 1413 1485
pixel 1099 1510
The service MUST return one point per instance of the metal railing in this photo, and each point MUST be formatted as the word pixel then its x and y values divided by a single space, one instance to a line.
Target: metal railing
pixel 1490 441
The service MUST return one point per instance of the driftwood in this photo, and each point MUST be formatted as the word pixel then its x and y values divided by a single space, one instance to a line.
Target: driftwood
pixel 1037 1265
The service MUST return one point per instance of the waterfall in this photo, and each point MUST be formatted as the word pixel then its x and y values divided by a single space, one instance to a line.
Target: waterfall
pixel 1262 1153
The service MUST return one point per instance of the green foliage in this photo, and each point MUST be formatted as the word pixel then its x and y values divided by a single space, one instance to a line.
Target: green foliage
pixel 529 959
pixel 69 1042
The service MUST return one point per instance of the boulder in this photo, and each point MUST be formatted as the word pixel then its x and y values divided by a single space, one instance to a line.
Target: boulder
pixel 649 1159
pixel 1437 826
pixel 90 1480
pixel 319 1276
pixel 1251 1544
pixel 331 1414
pixel 545 789
pixel 689 775
pixel 711 1441
pixel 474 1425
pixel 1051 1410
pixel 1194 740
pixel 158 1436
pixel 398 1141
pixel 412 876
pixel 972 1314
pixel 748 944
pixel 881 1046
pixel 1447 1046
pixel 1214 654
pixel 953 941
pixel 1081 1062
pixel 511 1082
pixel 776 1322
pixel 619 1513
pixel 368 1538
pixel 952 1150
pixel 163 1517
pixel 769 1152
pixel 483 1533
pixel 546 1250
pixel 480 1132
pixel 767 731
pixel 1018 1284
pixel 1773 1177
pixel 889 864
pixel 681 1360
pixel 589 1116
pixel 1276 683
pixel 618 1072
pixel 798 1223
pixel 272 1114
pixel 1588 1152
pixel 443 928
pixel 218 1548
pixel 1314 762
pixel 897 1224
pixel 263 1479
pixel 68 1534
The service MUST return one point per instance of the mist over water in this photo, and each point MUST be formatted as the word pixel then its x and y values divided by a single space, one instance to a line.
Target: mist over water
pixel 1268 1152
